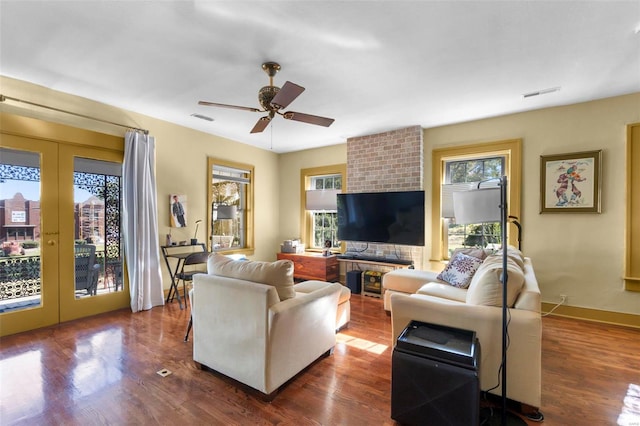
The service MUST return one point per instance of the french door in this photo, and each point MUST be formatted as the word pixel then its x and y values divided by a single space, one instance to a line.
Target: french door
pixel 60 208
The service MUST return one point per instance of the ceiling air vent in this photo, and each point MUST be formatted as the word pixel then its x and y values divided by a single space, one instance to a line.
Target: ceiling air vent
pixel 202 117
pixel 540 92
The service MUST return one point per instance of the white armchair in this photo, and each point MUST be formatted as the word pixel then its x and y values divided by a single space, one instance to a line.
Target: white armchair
pixel 244 330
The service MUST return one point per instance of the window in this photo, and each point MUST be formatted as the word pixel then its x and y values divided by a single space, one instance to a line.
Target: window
pixel 324 223
pixel 319 226
pixel 230 206
pixel 473 163
pixel 471 235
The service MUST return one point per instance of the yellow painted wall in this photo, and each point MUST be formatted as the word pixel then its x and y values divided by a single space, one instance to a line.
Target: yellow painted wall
pixel 181 160
pixel 577 254
pixel 580 255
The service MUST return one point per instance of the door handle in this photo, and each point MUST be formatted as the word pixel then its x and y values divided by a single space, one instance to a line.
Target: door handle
pixel 51 242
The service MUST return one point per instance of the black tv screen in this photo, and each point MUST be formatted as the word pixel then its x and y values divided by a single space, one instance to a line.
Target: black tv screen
pixel 382 217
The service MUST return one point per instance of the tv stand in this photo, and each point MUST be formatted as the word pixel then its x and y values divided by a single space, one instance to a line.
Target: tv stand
pixel 377 260
pixel 352 261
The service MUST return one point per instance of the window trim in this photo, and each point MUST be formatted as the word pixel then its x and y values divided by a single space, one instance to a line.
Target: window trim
pixel 306 227
pixel 511 149
pixel 249 211
pixel 632 231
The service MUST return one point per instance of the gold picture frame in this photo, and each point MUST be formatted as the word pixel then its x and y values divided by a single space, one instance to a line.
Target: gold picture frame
pixel 570 183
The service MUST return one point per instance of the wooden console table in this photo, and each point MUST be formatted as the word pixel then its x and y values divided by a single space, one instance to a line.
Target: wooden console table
pixel 313 266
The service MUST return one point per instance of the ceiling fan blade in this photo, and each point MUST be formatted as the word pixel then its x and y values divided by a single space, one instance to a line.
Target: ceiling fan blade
pixel 308 118
pixel 286 95
pixel 262 124
pixel 205 103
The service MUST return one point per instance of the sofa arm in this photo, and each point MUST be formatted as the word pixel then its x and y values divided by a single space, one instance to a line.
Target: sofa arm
pixel 406 281
pixel 525 335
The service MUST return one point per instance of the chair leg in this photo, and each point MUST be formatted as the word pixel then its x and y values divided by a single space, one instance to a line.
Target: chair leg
pixel 186 336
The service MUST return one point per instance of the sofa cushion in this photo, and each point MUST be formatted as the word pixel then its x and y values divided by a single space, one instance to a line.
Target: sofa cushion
pixel 313 285
pixel 486 285
pixel 444 291
pixel 460 270
pixel 278 274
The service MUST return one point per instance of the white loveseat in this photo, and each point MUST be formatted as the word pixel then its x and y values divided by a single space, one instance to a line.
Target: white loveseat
pixel 250 324
pixel 419 295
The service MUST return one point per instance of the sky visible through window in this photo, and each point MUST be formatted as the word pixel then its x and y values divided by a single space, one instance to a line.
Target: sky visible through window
pixel 31 191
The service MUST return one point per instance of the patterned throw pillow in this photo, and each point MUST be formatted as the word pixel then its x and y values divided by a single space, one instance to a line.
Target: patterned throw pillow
pixel 460 270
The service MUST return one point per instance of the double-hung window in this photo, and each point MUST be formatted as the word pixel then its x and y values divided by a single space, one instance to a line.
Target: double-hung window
pixel 472 171
pixel 468 165
pixel 324 223
pixel 321 225
pixel 230 201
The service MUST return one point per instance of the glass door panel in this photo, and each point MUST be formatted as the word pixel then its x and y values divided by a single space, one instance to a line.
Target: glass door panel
pixel 28 234
pixel 20 277
pixel 91 273
pixel 98 241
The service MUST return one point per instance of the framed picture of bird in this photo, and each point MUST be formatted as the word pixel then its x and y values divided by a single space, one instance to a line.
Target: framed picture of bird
pixel 570 183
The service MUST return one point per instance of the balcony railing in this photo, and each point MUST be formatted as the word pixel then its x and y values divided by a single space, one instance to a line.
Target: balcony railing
pixel 20 276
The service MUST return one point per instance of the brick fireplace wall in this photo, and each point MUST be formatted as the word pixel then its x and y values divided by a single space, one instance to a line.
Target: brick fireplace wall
pixel 389 161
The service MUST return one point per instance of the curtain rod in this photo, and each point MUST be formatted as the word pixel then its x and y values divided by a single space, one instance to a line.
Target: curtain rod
pixel 4 98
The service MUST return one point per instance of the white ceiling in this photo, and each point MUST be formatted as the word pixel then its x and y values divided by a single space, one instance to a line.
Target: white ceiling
pixel 374 66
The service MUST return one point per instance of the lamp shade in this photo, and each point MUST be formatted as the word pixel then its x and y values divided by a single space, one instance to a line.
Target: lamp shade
pixel 477 206
pixel 322 199
pixel 227 212
pixel 447 190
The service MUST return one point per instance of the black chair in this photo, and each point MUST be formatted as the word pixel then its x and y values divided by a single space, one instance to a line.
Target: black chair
pixel 199 258
pixel 189 269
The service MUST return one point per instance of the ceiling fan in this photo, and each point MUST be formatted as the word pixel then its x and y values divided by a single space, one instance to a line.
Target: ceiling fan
pixel 273 99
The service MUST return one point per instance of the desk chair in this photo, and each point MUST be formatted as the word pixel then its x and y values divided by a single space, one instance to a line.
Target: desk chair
pixel 199 258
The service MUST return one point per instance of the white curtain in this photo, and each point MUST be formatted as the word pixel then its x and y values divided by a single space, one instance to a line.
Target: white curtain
pixel 140 223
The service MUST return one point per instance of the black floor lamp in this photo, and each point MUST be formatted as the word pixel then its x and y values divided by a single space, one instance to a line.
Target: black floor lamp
pixel 490 205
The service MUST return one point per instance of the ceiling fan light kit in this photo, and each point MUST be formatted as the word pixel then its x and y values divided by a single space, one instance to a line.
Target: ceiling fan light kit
pixel 272 99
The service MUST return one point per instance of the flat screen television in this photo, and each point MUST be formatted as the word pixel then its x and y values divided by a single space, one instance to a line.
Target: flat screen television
pixel 382 217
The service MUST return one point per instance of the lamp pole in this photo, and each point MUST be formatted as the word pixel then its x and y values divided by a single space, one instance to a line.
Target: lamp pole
pixel 503 222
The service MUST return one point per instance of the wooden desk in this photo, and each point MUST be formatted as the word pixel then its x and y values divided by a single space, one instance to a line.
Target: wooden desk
pixel 171 252
pixel 313 266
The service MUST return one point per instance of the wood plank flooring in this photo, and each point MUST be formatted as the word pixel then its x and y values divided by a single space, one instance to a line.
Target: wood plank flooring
pixel 102 370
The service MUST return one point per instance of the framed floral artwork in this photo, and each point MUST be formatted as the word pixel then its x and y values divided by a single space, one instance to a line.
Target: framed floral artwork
pixel 570 183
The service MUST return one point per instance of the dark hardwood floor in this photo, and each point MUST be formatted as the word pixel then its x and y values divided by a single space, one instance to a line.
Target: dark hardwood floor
pixel 103 370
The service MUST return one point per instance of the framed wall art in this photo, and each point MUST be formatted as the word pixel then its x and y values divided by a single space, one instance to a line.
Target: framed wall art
pixel 570 183
pixel 178 209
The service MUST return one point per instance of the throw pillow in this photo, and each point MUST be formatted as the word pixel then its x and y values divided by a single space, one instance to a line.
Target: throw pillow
pixel 278 274
pixel 515 255
pixel 486 285
pixel 480 253
pixel 460 270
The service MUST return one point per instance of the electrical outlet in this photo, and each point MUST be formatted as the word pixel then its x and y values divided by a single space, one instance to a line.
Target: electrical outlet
pixel 563 298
